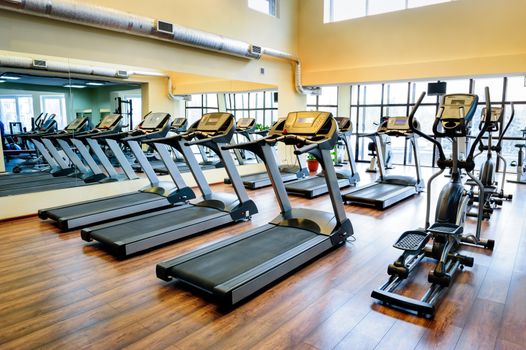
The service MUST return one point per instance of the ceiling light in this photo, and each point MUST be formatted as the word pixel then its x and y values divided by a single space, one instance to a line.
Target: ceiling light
pixel 95 84
pixel 8 77
pixel 2 81
pixel 74 86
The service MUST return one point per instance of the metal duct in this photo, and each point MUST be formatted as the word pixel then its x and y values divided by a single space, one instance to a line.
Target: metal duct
pixel 59 66
pixel 102 17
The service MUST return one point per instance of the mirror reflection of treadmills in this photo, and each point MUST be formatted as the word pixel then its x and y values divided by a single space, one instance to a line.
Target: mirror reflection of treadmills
pixel 238 267
pixel 59 156
pixel 313 186
pixel 288 172
pixel 245 127
pixel 153 197
pixel 178 125
pixel 143 232
pixel 389 189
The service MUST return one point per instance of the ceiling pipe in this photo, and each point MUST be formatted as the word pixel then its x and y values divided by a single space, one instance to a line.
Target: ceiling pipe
pixel 101 17
pixel 65 67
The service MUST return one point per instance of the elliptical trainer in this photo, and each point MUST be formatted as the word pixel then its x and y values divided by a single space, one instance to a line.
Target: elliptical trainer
pixel 447 233
pixel 520 163
pixel 494 196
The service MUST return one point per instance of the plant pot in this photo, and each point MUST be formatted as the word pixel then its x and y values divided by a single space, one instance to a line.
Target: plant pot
pixel 312 164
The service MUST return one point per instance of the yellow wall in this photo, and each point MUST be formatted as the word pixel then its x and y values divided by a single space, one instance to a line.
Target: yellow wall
pixel 460 38
pixel 231 18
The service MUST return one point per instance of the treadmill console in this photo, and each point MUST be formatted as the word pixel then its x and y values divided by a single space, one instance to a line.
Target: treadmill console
pixel 213 122
pixel 245 123
pixel 307 123
pixel 344 124
pixel 455 114
pixel 154 121
pixel 398 123
pixel 109 122
pixel 179 123
pixel 77 125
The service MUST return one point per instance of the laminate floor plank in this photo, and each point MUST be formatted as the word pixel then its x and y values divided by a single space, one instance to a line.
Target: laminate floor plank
pixel 59 292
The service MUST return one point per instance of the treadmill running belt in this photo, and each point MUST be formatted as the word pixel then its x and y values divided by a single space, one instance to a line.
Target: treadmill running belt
pixel 218 266
pixel 42 186
pixel 139 226
pixel 307 184
pixel 377 191
pixel 102 205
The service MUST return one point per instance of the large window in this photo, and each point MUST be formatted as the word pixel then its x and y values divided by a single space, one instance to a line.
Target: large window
pixel 370 102
pixel 199 105
pixel 339 10
pixel 327 101
pixel 268 7
pixel 16 109
pixel 55 104
pixel 262 105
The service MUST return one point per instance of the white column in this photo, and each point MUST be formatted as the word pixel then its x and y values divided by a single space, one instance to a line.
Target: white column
pixel 344 101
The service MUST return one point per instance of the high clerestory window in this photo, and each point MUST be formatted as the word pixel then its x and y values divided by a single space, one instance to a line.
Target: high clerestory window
pixel 268 7
pixel 340 10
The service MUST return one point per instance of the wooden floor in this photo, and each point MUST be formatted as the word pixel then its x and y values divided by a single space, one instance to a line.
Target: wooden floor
pixel 59 292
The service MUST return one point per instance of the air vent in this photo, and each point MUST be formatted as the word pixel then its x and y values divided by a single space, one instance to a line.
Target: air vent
pixel 121 74
pixel 165 27
pixel 42 64
pixel 255 51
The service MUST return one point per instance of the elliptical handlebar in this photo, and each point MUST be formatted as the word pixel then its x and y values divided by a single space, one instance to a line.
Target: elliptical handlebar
pixel 512 116
pixel 414 129
pixel 485 128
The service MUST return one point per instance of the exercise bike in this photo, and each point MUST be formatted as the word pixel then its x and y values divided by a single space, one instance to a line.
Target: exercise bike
pixel 442 240
pixel 521 161
pixel 493 196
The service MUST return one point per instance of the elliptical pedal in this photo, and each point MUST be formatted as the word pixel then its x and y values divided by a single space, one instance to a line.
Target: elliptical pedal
pixel 412 241
pixel 446 229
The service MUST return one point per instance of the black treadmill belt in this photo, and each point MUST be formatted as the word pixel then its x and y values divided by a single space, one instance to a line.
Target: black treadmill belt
pixel 102 205
pixel 307 184
pixel 378 191
pixel 37 182
pixel 37 186
pixel 139 226
pixel 16 178
pixel 218 266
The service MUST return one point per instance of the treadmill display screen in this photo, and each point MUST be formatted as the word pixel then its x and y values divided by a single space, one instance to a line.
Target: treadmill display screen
pixel 153 121
pixel 398 123
pixel 74 125
pixel 306 120
pixel 108 122
pixel 244 122
pixel 178 122
pixel 212 120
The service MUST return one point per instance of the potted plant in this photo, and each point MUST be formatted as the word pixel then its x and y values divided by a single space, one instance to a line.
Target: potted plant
pixel 312 163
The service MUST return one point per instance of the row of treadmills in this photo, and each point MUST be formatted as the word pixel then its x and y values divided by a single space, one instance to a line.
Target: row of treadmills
pixel 166 211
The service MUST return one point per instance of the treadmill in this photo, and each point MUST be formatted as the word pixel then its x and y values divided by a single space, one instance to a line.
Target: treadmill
pixel 313 186
pixel 63 175
pixel 389 189
pixel 44 124
pixel 236 268
pixel 140 233
pixel 288 172
pixel 109 125
pixel 245 127
pixel 156 196
pixel 178 126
